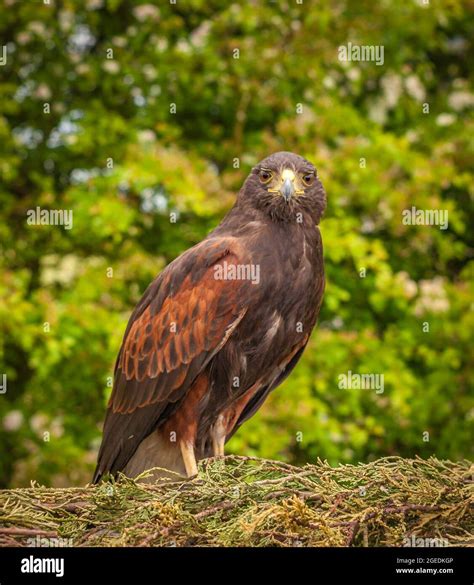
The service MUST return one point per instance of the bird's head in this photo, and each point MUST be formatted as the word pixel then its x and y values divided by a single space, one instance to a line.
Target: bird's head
pixel 286 186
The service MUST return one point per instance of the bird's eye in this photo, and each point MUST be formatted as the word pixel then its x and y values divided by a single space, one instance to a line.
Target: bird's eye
pixel 308 179
pixel 265 176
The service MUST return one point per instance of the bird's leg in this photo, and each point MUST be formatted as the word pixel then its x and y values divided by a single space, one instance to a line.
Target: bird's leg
pixel 218 435
pixel 187 451
pixel 228 418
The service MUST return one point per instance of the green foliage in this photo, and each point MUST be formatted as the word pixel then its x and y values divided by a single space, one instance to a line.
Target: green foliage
pixel 112 151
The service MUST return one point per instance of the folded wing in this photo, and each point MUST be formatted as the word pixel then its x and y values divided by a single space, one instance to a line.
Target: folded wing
pixel 184 318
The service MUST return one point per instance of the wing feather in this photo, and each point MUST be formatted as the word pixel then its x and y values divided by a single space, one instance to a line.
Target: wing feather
pixel 185 316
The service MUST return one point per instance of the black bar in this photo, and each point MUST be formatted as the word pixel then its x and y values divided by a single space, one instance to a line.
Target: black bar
pixel 229 566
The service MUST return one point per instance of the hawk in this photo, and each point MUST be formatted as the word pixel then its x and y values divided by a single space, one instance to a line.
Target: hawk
pixel 220 328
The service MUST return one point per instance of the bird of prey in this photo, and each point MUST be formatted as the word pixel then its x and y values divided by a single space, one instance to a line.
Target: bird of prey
pixel 220 327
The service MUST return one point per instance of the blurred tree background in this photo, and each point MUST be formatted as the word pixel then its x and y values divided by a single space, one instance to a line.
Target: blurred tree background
pixel 127 111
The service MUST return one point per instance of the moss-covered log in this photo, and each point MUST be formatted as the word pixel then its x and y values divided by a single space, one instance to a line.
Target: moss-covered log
pixel 243 501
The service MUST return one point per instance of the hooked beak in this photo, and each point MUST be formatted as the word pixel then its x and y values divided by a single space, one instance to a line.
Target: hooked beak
pixel 287 188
